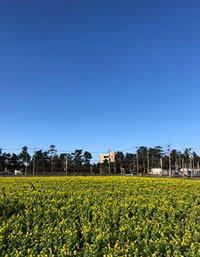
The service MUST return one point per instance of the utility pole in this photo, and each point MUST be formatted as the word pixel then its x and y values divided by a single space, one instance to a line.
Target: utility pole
pixel 161 165
pixel 191 170
pixel 26 164
pixel 170 168
pixel 137 161
pixel 183 167
pixel 121 169
pixel 115 167
pixel 191 166
pixel 91 169
pixel 66 165
pixel 100 168
pixel 148 171
pixel 176 165
pixel 52 165
pixel 186 168
pixel 34 163
pixel 109 162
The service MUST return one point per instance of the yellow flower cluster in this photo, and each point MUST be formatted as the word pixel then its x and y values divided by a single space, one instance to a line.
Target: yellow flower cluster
pixel 99 216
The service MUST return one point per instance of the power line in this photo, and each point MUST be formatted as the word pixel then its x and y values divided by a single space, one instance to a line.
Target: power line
pixel 92 152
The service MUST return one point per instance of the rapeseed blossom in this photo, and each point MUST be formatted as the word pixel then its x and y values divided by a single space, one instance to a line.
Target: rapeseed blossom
pixel 99 216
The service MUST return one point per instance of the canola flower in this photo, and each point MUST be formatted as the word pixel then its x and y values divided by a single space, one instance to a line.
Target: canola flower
pixel 99 216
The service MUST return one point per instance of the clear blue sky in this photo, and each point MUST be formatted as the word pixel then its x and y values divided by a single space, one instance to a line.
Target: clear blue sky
pixel 99 75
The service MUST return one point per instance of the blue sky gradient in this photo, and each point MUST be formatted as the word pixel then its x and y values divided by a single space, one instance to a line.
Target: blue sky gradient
pixel 100 74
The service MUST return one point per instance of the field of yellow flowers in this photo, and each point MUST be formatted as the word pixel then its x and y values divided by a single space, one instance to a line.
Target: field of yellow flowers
pixel 99 216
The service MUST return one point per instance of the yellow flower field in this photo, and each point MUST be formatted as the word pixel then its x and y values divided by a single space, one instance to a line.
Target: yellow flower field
pixel 99 216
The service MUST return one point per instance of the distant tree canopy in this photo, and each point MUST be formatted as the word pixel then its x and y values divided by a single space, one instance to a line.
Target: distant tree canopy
pixel 50 161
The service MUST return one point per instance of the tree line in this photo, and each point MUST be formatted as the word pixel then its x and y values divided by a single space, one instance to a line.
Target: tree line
pixel 155 157
pixel 51 162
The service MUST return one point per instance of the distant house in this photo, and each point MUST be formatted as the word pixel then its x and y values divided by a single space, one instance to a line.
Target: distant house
pixel 159 172
pixel 187 171
pixel 156 171
pixel 110 157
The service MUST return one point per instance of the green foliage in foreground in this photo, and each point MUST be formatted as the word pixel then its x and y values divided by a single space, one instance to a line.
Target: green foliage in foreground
pixel 100 216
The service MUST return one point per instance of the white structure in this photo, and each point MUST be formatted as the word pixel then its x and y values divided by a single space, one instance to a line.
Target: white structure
pixel 196 171
pixel 18 172
pixel 156 171
pixel 159 172
pixel 110 157
pixel 187 171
